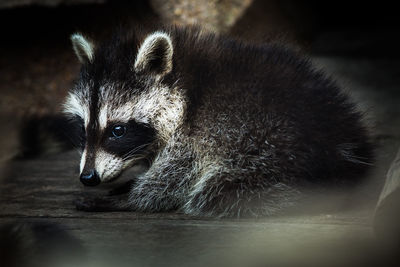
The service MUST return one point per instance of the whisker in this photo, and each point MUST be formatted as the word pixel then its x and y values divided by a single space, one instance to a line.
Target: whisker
pixel 134 156
pixel 134 150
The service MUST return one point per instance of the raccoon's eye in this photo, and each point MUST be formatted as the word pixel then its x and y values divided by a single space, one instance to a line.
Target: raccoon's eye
pixel 118 131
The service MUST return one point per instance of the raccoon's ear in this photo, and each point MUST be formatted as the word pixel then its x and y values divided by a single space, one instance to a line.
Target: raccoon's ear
pixel 83 48
pixel 155 54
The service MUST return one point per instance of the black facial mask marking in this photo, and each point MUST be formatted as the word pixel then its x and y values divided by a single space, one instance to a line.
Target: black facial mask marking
pixel 123 139
pixel 76 132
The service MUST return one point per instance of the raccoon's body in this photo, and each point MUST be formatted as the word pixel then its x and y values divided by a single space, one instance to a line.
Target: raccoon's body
pixel 227 128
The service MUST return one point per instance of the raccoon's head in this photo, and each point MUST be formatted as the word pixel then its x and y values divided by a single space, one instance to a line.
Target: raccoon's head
pixel 126 105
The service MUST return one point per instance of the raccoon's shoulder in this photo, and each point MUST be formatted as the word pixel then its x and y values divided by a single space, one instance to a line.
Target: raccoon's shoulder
pixel 196 45
pixel 208 57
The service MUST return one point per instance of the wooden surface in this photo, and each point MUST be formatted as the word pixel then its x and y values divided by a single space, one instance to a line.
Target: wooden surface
pixel 43 190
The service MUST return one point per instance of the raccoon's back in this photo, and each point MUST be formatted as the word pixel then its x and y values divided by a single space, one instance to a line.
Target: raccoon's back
pixel 269 102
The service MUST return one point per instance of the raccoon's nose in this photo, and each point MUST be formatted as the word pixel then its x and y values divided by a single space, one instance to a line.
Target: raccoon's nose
pixel 90 178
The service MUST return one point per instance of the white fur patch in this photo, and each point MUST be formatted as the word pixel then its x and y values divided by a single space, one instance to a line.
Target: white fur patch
pixel 74 106
pixel 107 165
pixel 83 161
pixel 152 42
pixel 164 107
pixel 83 48
pixel 103 117
pixel 123 113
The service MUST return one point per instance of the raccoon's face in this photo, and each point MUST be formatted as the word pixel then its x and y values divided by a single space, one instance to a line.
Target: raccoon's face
pixel 126 112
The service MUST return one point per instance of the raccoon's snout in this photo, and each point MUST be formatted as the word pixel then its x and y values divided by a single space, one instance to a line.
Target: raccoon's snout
pixel 90 178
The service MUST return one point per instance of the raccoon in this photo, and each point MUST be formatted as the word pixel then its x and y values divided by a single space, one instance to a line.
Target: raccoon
pixel 220 127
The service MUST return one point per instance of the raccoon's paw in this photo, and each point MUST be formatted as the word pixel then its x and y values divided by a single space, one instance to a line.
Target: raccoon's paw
pixel 99 204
